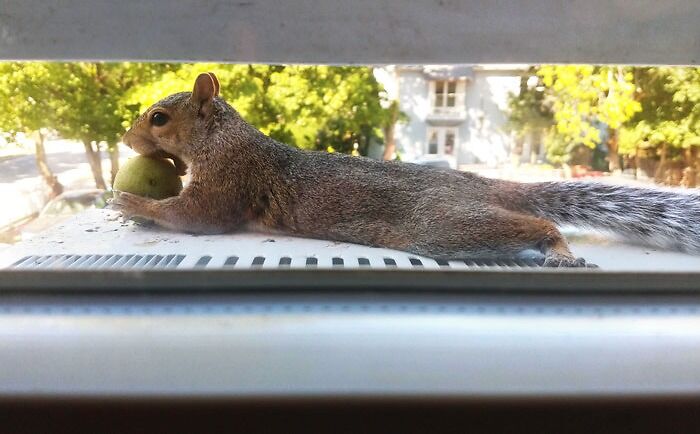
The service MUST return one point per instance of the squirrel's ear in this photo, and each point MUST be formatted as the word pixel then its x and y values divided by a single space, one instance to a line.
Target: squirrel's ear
pixel 205 89
pixel 216 83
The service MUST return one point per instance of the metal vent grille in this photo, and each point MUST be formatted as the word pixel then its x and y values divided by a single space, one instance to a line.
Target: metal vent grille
pixel 141 261
pixel 99 261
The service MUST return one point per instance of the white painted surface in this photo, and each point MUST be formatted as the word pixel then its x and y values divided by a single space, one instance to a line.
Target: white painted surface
pixel 102 232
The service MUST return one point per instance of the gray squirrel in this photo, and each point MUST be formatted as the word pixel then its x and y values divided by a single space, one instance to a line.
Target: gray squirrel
pixel 241 178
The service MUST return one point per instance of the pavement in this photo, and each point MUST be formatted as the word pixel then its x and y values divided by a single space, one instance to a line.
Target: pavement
pixel 543 173
pixel 22 191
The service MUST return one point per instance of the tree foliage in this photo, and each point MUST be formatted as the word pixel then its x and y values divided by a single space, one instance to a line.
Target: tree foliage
pixel 529 110
pixel 312 107
pixel 649 113
pixel 81 101
pixel 588 100
pixel 22 110
pixel 670 110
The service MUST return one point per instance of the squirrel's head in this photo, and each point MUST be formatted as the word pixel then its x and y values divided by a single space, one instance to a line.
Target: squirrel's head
pixel 170 127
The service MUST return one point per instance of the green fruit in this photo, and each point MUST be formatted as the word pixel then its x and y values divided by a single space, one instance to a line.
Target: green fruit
pixel 150 177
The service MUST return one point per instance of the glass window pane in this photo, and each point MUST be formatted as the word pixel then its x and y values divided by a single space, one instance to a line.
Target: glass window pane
pixel 451 93
pixel 439 93
pixel 439 87
pixel 452 87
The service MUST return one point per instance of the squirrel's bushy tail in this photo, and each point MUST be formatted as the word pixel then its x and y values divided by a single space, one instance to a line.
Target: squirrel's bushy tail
pixel 653 216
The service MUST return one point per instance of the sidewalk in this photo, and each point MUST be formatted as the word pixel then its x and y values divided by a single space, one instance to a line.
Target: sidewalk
pixel 544 173
pixel 22 192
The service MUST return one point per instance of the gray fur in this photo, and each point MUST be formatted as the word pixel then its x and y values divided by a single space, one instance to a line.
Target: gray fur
pixel 653 216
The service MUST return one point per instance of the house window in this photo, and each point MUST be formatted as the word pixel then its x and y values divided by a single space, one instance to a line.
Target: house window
pixel 445 93
pixel 447 96
pixel 441 141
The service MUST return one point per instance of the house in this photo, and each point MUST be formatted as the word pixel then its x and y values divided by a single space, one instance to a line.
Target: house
pixel 455 112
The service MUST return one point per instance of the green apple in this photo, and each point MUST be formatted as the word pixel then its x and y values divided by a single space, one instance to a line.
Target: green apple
pixel 150 177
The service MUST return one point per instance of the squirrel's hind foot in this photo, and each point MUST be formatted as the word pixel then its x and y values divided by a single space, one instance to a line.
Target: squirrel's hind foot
pixel 561 261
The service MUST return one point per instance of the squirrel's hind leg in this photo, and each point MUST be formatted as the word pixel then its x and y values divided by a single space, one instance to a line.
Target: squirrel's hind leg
pixel 543 235
pixel 497 231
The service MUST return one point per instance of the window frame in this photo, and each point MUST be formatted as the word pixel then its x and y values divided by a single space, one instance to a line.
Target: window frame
pixel 458 96
pixel 442 133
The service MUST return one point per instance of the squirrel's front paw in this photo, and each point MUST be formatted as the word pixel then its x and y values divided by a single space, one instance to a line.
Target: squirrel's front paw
pixel 130 205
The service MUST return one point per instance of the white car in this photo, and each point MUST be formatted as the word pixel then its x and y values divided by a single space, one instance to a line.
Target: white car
pixel 436 161
pixel 63 206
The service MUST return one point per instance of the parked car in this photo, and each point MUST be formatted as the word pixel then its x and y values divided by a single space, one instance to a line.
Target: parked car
pixel 439 162
pixel 62 207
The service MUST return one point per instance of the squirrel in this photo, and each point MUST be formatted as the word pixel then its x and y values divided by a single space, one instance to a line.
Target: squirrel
pixel 241 178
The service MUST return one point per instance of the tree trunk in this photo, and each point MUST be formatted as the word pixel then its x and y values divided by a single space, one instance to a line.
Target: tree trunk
pixel 690 172
pixel 95 161
pixel 389 143
pixel 696 164
pixel 536 139
pixel 636 162
pixel 389 136
pixel 613 156
pixel 47 175
pixel 114 162
pixel 516 151
pixel 661 169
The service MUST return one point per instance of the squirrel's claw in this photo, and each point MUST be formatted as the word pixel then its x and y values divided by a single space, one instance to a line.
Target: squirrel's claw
pixel 130 205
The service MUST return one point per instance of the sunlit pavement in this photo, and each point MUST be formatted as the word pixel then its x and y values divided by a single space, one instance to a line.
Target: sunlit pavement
pixel 21 189
pixel 541 173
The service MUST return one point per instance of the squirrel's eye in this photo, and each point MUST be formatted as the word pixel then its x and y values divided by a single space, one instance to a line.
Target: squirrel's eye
pixel 159 119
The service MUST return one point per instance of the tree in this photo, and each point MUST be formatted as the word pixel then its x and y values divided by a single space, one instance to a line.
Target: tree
pixel 80 100
pixel 312 107
pixel 89 105
pixel 23 109
pixel 668 124
pixel 587 99
pixel 529 111
pixel 388 128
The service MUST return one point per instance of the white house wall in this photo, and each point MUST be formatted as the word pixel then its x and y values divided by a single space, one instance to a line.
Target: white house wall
pixel 486 100
pixel 481 138
pixel 414 100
